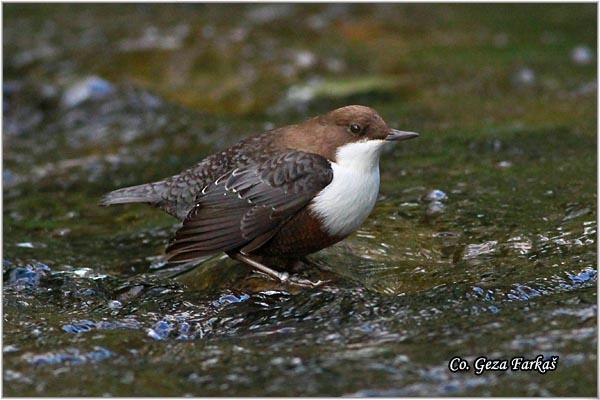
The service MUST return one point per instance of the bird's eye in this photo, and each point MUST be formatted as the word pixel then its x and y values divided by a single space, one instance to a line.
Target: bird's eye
pixel 355 128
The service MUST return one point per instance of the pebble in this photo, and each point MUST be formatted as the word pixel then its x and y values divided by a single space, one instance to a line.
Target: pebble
pixel 114 304
pixel 478 290
pixel 525 76
pixel 72 356
pixel 304 59
pixel 160 330
pixel 184 331
pixel 588 274
pixel 10 348
pixel 436 195
pixel 476 250
pixel 434 199
pixel 29 275
pixel 79 326
pixel 91 87
pixel 61 232
pixel 230 298
pixel 582 55
pixel 10 375
pixel 87 325
pixel 435 208
pixel 9 178
pixel 577 213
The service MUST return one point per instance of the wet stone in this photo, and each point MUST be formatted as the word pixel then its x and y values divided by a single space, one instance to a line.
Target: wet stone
pixel 184 331
pixel 28 276
pixel 524 77
pixel 87 292
pixel 105 325
pixel 230 299
pixel 435 208
pixel 576 213
pixel 131 293
pixel 582 55
pixel 494 309
pixel 89 88
pixel 71 356
pixel 84 326
pixel 587 275
pixel 79 326
pixel 160 330
pixel 478 290
pixel 115 305
pixel 15 376
pixel 9 348
pixel 9 178
pixel 476 250
pixel 436 195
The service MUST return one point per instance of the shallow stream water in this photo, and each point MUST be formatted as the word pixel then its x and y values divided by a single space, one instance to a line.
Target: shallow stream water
pixel 482 243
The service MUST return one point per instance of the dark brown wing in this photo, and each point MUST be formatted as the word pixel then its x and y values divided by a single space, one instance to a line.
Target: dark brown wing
pixel 246 206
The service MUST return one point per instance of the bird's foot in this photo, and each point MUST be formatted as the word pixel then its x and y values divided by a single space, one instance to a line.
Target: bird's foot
pixel 297 281
pixel 282 277
pixel 292 280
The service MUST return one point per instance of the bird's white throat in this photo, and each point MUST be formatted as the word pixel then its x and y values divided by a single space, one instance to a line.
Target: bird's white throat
pixel 347 201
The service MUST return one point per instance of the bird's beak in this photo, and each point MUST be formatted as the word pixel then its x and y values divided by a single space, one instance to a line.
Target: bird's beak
pixel 396 135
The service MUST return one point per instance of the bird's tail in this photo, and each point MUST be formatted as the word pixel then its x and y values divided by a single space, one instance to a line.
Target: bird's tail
pixel 147 193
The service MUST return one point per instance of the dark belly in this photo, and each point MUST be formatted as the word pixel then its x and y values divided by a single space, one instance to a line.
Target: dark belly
pixel 300 236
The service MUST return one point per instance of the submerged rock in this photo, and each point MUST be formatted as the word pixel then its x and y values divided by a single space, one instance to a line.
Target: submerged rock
pixel 435 208
pixel 71 356
pixel 79 326
pixel 230 298
pixel 28 276
pixel 587 275
pixel 475 250
pixel 436 195
pixel 83 326
pixel 524 77
pixel 434 200
pixel 582 55
pixel 160 330
pixel 115 305
pixel 92 87
pixel 572 214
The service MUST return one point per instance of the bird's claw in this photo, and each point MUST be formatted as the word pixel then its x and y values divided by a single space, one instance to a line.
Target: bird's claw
pixel 296 281
pixel 284 277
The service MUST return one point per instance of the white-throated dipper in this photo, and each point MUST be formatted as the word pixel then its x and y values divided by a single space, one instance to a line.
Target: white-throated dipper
pixel 282 194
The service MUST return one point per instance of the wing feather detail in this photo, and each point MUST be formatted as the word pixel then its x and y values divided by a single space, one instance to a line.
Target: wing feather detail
pixel 246 206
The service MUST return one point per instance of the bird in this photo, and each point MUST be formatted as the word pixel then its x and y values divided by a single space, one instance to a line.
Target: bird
pixel 279 195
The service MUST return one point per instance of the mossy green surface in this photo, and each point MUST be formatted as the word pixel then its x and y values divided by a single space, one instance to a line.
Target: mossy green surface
pixel 504 97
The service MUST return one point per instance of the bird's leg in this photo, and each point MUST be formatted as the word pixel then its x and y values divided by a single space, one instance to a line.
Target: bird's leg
pixel 294 280
pixel 282 277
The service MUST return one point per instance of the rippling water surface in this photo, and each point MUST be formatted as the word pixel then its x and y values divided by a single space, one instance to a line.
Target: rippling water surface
pixel 482 243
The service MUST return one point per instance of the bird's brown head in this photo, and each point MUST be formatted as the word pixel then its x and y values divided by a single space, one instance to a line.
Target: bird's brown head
pixel 328 133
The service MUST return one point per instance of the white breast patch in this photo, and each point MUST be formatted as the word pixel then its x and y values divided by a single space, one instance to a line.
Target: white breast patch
pixel 348 200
